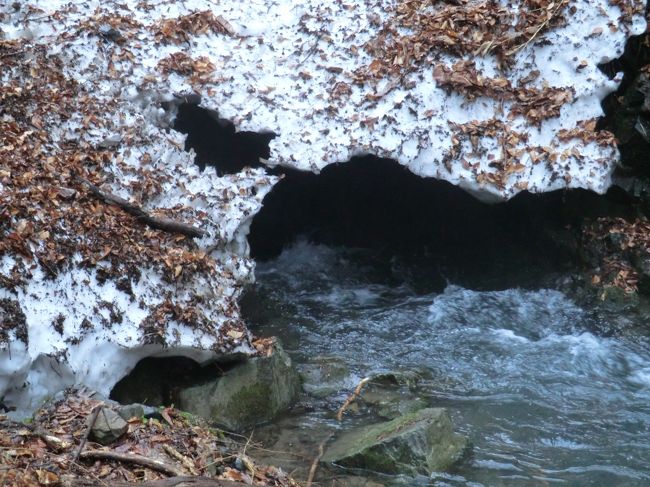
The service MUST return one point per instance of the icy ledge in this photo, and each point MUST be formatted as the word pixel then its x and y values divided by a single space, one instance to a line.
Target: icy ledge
pixel 496 97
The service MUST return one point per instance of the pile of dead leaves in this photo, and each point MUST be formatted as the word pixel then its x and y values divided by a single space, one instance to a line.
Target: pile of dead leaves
pixel 47 214
pixel 198 69
pixel 465 27
pixel 421 33
pixel 162 449
pixel 618 243
pixel 474 132
pixel 182 29
pixel 587 131
pixel 534 104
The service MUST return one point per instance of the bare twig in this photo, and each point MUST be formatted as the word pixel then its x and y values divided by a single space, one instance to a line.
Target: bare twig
pixel 151 463
pixel 539 29
pixel 13 53
pixel 91 423
pixel 351 398
pixel 160 223
pixel 314 464
pixel 53 442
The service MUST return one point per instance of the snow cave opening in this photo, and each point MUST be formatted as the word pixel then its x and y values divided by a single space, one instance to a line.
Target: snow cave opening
pixel 216 142
pixel 157 381
pixel 437 228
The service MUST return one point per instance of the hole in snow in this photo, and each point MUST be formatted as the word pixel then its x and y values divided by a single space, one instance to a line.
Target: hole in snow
pixel 157 381
pixel 378 204
pixel 216 142
pixel 626 113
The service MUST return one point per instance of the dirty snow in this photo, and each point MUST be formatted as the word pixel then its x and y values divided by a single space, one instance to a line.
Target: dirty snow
pixel 278 70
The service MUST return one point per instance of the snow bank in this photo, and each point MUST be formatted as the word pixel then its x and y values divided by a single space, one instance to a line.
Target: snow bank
pixel 494 108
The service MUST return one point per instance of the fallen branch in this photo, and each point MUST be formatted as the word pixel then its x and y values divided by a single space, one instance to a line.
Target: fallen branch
pixel 175 454
pixel 314 464
pixel 69 481
pixel 12 53
pixel 151 463
pixel 53 442
pixel 159 223
pixel 91 423
pixel 351 398
pixel 539 29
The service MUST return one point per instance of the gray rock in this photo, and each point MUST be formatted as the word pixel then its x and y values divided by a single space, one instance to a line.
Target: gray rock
pixel 250 393
pixel 393 394
pixel 130 411
pixel 324 376
pixel 354 481
pixel 421 442
pixel 402 378
pixel 641 262
pixel 108 427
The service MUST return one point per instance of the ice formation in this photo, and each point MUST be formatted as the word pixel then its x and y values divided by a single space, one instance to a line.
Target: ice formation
pixel 496 97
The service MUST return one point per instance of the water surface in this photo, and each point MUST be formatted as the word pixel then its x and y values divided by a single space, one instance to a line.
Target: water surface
pixel 543 398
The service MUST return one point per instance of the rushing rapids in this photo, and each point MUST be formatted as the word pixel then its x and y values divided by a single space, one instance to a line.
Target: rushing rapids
pixel 543 396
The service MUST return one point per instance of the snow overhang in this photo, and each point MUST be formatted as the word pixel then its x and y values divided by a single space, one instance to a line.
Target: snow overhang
pixel 496 97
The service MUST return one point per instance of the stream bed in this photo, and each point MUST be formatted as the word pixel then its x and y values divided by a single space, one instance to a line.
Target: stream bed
pixel 543 397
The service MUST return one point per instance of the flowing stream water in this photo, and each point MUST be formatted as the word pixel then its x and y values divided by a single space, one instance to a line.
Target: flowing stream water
pixel 543 398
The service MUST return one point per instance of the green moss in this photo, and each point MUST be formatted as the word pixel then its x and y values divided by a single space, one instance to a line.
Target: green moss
pixel 249 403
pixel 419 442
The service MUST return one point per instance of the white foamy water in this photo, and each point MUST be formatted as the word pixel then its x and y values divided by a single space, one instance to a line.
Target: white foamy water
pixel 543 398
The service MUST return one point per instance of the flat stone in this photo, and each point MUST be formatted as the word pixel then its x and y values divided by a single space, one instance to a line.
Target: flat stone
pixel 417 443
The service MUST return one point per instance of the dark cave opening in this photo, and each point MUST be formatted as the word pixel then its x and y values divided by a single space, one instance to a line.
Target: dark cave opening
pixel 216 141
pixel 627 110
pixel 157 381
pixel 374 203
pixel 378 204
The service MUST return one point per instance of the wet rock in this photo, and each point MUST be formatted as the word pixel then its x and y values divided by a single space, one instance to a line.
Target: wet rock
pixel 390 409
pixel 248 394
pixel 108 427
pixel 421 442
pixel 642 266
pixel 402 378
pixel 393 394
pixel 354 481
pixel 324 376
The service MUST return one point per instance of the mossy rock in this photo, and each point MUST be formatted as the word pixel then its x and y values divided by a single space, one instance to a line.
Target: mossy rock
pixel 250 393
pixel 323 376
pixel 393 394
pixel 417 443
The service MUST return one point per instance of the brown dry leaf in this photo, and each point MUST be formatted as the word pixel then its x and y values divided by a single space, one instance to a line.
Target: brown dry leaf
pixel 236 476
pixel 180 30
pixel 200 68
pixel 461 28
pixel 533 103
pixel 165 414
pixel 45 477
